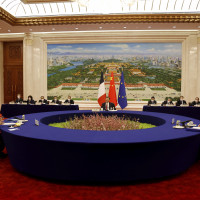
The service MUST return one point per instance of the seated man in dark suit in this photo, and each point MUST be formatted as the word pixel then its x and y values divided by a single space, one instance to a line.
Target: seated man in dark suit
pixel 30 100
pixel 152 101
pixel 55 100
pixel 43 100
pixel 181 101
pixel 69 100
pixel 19 99
pixel 167 102
pixel 108 105
pixel 195 102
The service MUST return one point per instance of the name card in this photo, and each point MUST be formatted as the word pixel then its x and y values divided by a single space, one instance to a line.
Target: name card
pixel 37 123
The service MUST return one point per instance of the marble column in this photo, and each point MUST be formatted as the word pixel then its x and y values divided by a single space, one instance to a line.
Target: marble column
pixel 198 66
pixel 35 71
pixel 39 68
pixel 27 65
pixel 190 70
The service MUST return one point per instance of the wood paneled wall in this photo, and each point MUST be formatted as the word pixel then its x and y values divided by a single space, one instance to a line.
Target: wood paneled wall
pixel 13 70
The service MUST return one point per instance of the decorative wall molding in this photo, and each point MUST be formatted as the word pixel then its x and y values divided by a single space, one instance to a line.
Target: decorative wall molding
pixel 7 17
pixel 99 19
pixel 113 36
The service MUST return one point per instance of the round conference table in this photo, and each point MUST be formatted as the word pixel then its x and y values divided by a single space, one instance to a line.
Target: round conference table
pixel 82 156
pixel 10 110
pixel 188 111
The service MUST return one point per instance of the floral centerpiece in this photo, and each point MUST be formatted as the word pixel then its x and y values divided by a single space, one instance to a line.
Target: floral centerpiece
pixel 102 123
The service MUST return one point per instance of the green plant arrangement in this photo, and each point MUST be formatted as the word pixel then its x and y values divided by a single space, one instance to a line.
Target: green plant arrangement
pixel 102 123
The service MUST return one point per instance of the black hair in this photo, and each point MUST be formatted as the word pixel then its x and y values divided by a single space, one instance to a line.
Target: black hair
pixel 30 97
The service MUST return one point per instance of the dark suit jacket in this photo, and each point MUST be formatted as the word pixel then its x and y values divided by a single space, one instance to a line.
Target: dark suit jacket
pixel 111 106
pixel 19 100
pixel 44 101
pixel 166 103
pixel 30 102
pixel 195 103
pixel 178 103
pixel 57 101
pixel 69 101
pixel 150 102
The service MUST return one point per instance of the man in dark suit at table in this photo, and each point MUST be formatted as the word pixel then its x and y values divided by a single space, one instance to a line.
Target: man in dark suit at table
pixel 196 102
pixel 108 105
pixel 55 100
pixel 181 101
pixel 167 102
pixel 43 100
pixel 152 101
pixel 19 99
pixel 69 100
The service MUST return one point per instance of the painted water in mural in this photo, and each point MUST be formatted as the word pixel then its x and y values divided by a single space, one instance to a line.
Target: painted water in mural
pixel 150 69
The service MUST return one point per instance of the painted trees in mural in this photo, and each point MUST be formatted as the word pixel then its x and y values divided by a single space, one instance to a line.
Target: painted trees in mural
pixel 149 69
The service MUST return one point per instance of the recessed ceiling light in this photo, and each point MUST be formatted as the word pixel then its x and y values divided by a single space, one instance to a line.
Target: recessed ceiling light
pixel 149 26
pixel 124 26
pixel 53 29
pixel 9 30
pixel 174 27
pixel 100 27
pixel 30 29
pixel 76 28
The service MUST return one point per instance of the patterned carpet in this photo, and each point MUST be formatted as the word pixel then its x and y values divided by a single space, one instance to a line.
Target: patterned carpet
pixel 16 186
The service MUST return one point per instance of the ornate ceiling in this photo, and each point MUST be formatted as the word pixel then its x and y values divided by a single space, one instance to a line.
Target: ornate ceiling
pixel 34 8
pixel 59 12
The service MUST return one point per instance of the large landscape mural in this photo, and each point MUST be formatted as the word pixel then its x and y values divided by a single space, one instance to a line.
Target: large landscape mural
pixel 149 69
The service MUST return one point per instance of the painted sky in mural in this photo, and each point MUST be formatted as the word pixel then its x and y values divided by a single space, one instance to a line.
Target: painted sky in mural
pixel 149 69
pixel 165 49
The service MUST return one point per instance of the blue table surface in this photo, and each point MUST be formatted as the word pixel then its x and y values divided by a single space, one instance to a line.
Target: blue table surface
pixel 10 110
pixel 160 133
pixel 188 111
